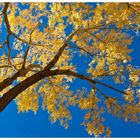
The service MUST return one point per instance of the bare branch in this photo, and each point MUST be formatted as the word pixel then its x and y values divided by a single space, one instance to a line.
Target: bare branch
pixel 3 44
pixel 5 66
pixel 26 53
pixel 9 50
pixel 5 8
pixel 103 41
pixel 8 66
pixel 52 85
pixel 82 49
pixel 104 95
pixel 107 73
pixel 98 82
pixel 6 18
pixel 5 58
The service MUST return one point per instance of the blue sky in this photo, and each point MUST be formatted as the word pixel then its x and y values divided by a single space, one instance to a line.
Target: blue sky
pixel 13 124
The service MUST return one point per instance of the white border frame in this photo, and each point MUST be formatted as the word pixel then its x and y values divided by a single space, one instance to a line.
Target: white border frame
pixel 69 0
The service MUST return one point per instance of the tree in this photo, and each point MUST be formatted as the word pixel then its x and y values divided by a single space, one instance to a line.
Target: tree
pixel 39 42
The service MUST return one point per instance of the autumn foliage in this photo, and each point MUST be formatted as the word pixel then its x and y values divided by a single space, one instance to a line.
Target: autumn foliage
pixel 39 42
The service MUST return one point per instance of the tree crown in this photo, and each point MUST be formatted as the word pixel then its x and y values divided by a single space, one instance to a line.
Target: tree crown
pixel 40 43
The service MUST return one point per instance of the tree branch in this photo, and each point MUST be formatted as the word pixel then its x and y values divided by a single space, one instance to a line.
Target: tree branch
pixel 26 42
pixel 98 82
pixel 9 33
pixel 26 53
pixel 60 51
pixel 9 29
pixel 5 66
pixel 5 8
pixel 6 18
pixel 82 49
pixel 51 83
pixel 3 44
pixel 15 91
pixel 104 95
pixel 8 81
pixel 132 8
pixel 97 37
pixel 9 50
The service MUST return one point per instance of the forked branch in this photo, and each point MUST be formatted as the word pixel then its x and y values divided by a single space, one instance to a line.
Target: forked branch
pixel 15 91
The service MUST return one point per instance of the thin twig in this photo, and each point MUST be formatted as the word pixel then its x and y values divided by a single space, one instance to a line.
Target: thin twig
pixel 104 95
pixel 111 87
pixel 26 42
pixel 103 41
pixel 26 53
pixel 52 85
pixel 82 49
pixel 3 44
